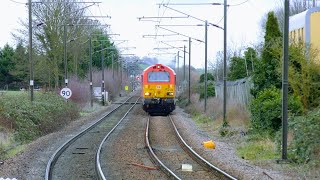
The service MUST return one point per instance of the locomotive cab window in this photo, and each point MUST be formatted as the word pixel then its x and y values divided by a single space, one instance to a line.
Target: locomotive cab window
pixel 158 77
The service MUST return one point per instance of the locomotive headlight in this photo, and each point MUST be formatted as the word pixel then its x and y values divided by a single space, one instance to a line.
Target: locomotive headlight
pixel 170 93
pixel 147 94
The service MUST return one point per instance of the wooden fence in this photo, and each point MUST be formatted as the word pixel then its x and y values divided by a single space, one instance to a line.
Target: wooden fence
pixel 237 91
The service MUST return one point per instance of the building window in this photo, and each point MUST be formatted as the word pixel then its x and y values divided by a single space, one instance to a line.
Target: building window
pixel 299 35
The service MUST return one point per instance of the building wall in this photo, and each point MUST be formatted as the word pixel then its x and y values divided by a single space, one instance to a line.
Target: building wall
pixel 307 30
pixel 297 35
pixel 315 32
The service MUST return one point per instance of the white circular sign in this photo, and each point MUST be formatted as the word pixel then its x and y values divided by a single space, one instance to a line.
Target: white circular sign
pixel 66 93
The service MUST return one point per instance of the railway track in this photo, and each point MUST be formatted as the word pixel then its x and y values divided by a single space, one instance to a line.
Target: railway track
pixel 171 157
pixel 100 173
pixel 78 158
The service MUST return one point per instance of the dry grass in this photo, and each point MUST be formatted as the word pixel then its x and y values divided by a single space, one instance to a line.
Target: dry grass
pixel 212 120
pixel 237 115
pixel 81 88
pixel 112 83
pixel 259 150
pixel 80 91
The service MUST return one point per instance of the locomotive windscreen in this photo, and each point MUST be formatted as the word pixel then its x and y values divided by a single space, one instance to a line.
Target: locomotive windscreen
pixel 158 77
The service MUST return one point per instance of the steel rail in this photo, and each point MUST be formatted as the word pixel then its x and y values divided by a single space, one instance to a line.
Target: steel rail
pixel 64 146
pixel 97 157
pixel 196 155
pixel 155 157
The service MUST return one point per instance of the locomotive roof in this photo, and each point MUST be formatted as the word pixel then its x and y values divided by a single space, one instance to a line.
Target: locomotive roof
pixel 160 65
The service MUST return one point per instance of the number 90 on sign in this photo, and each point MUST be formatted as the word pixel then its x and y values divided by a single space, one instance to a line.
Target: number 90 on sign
pixel 66 93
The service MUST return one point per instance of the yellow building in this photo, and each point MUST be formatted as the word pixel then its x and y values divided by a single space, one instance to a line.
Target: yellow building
pixel 305 27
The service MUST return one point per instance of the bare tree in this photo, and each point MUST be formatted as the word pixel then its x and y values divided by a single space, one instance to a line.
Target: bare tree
pixel 216 67
pixel 49 20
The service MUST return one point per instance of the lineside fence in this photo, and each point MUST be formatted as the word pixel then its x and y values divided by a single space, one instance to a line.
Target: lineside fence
pixel 237 91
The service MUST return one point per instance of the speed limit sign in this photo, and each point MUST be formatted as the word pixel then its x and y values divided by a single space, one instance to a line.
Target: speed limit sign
pixel 66 93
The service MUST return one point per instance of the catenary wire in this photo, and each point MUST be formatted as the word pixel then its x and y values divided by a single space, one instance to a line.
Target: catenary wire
pixel 18 2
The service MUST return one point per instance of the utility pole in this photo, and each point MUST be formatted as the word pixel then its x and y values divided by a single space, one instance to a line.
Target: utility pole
pixel 120 75
pixel 178 73
pixel 102 74
pixel 189 101
pixel 217 70
pixel 65 54
pixel 112 66
pixel 30 51
pixel 90 69
pixel 225 66
pixel 205 64
pixel 184 63
pixel 285 80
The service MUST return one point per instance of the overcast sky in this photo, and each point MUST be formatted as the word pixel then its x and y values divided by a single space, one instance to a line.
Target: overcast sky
pixel 243 24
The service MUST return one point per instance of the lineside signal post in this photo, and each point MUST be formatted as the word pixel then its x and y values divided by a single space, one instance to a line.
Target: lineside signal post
pixel 66 93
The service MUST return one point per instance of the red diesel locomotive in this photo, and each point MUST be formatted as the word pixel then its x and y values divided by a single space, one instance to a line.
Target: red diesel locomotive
pixel 158 89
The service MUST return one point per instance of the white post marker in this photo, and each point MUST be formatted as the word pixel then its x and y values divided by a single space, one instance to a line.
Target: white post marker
pixel 66 93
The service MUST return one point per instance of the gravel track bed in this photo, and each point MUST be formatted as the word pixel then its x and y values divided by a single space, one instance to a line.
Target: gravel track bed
pixel 126 147
pixel 78 160
pixel 31 163
pixel 166 146
pixel 224 155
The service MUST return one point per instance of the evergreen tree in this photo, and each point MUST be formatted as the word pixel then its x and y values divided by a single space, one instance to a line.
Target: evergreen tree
pixel 267 70
pixel 6 65
pixel 237 68
pixel 21 68
pixel 241 67
pixel 209 77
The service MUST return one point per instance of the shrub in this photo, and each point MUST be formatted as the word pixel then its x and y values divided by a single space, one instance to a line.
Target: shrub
pixel 266 110
pixel 47 113
pixel 80 91
pixel 304 77
pixel 209 77
pixel 306 132
pixel 210 90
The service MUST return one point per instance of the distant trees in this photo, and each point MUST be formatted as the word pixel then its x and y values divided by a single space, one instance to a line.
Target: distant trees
pixel 21 62
pixel 13 67
pixel 209 77
pixel 6 65
pixel 50 22
pixel 241 66
pixel 210 86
